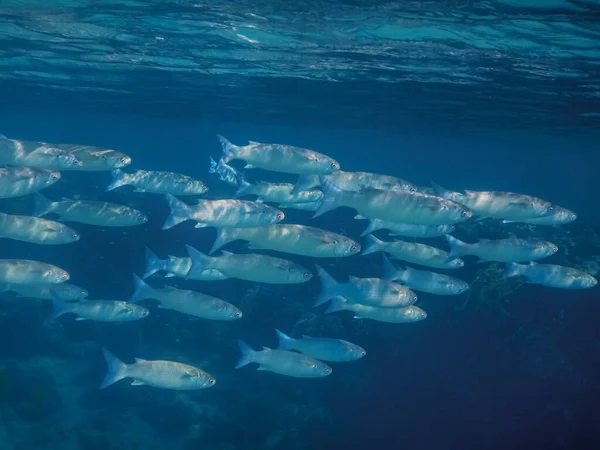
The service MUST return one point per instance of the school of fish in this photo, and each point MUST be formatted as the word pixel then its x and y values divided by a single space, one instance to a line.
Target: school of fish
pixel 254 214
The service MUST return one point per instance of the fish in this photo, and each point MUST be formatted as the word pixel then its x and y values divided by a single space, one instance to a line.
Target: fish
pixel 394 206
pixel 500 205
pixel 157 182
pixel 159 374
pixel 403 314
pixel 279 158
pixel 36 230
pixel 424 281
pixel 25 271
pixel 412 252
pixel 39 155
pixel 187 302
pixel 63 291
pixel 355 181
pixel 365 291
pixel 290 238
pixel 277 192
pixel 90 212
pixel 308 206
pixel 96 159
pixel 407 230
pixel 178 267
pixel 19 181
pixel 222 213
pixel 283 362
pixel 551 275
pixel 225 173
pixel 502 250
pixel 560 216
pixel 98 310
pixel 323 349
pixel 250 267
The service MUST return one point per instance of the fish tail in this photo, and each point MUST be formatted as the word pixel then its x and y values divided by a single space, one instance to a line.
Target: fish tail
pixel 224 237
pixel 329 286
pixel 213 165
pixel 117 369
pixel 141 290
pixel 305 182
pixel 228 149
pixel 244 188
pixel 374 225
pixel 373 245
pixel 200 261
pixel 283 340
pixel 153 264
pixel 59 307
pixel 457 248
pixel 333 198
pixel 180 212
pixel 119 178
pixel 512 270
pixel 337 304
pixel 247 356
pixel 41 206
pixel 439 190
pixel 389 271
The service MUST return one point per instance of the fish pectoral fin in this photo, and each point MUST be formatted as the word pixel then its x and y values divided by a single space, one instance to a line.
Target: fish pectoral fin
pixel 249 166
pixel 358 317
pixel 137 383
pixel 169 275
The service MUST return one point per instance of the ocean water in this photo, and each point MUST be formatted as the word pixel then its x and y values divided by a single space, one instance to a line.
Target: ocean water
pixel 488 95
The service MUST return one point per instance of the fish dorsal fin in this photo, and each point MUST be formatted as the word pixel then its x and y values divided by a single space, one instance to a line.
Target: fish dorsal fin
pixel 352 279
pixel 253 143
pixel 248 166
pixel 226 253
pixel 470 192
pixel 137 383
pixel 266 349
pixel 66 199
pixel 359 217
pixel 140 360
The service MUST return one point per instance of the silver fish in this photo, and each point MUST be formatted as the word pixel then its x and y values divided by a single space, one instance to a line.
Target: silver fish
pixel 36 230
pixel 40 155
pixel 98 310
pixel 355 181
pixel 403 314
pixel 560 216
pixel 18 181
pixel 283 362
pixel 63 291
pixel 178 267
pixel 323 349
pixel 157 182
pixel 279 158
pixel 160 374
pixel 225 173
pixel 407 230
pixel 95 158
pixel 551 275
pixel 502 250
pixel 24 271
pixel 277 192
pixel 308 206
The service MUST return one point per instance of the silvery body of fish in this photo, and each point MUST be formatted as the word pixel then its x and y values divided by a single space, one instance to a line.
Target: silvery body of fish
pixel 500 205
pixel 24 271
pixel 365 291
pixel 323 349
pixel 222 213
pixel 99 310
pixel 394 206
pixel 279 158
pixel 412 252
pixel 18 181
pixel 158 182
pixel 423 280
pixel 95 159
pixel 36 230
pixel 225 172
pixel 290 238
pixel 560 216
pixel 283 362
pixel 277 192
pixel 355 181
pixel 90 212
pixel 63 291
pixel 175 266
pixel 408 230
pixel 187 302
pixel 38 155
pixel 502 250
pixel 159 374
pixel 403 314
pixel 551 275
pixel 308 206
pixel 250 267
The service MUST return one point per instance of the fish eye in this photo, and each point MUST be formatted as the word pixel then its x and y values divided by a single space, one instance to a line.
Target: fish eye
pixel 280 215
pixel 142 217
pixel 75 236
pixel 212 381
pixel 333 165
pixel 64 276
pixel 48 273
pixel 123 160
pixel 104 156
pixel 306 275
pixel 550 208
pixel 55 176
pixel 554 248
pixel 354 248
pixel 464 213
pixel 415 298
pixel 413 189
pixel 313 366
pixel 238 314
pixel 328 370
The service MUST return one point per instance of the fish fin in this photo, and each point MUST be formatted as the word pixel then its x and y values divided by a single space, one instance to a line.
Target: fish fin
pixel 141 290
pixel 153 264
pixel 337 304
pixel 226 253
pixel 119 178
pixel 80 318
pixel 483 261
pixel 439 190
pixel 169 275
pixel 389 271
pixel 254 247
pixel 253 143
pixel 200 261
pixel 329 286
pixel 228 149
pixel 213 165
pixel 358 317
pixel 244 187
pixel 262 368
pixel 260 200
pixel 59 307
pixel 306 182
pixel 512 270
pixel 457 248
pixel 42 205
pixel 249 166
pixel 180 212
pixel 224 237
pixel 247 355
pixel 140 360
pixel 509 221
pixel 117 369
pixel 373 245
pixel 352 278
pixel 333 198
pixel 373 225
pixel 283 340
pixel 137 383
pixel 200 225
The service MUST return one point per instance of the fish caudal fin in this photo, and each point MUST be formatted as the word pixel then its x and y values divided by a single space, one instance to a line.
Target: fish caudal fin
pixel 228 149
pixel 153 264
pixel 224 237
pixel 41 206
pixel 333 198
pixel 200 262
pixel 512 270
pixel 213 165
pixel 373 245
pixel 439 190
pixel 59 307
pixel 337 304
pixel 329 286
pixel 283 340
pixel 119 178
pixel 457 248
pixel 389 271
pixel 244 188
pixel 306 182
pixel 371 227
pixel 180 212
pixel 117 369
pixel 141 290
pixel 247 356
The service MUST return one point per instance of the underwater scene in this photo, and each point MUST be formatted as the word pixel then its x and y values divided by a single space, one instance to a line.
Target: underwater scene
pixel 261 224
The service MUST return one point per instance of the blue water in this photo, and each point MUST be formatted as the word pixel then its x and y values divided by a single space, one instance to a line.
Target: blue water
pixel 483 95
